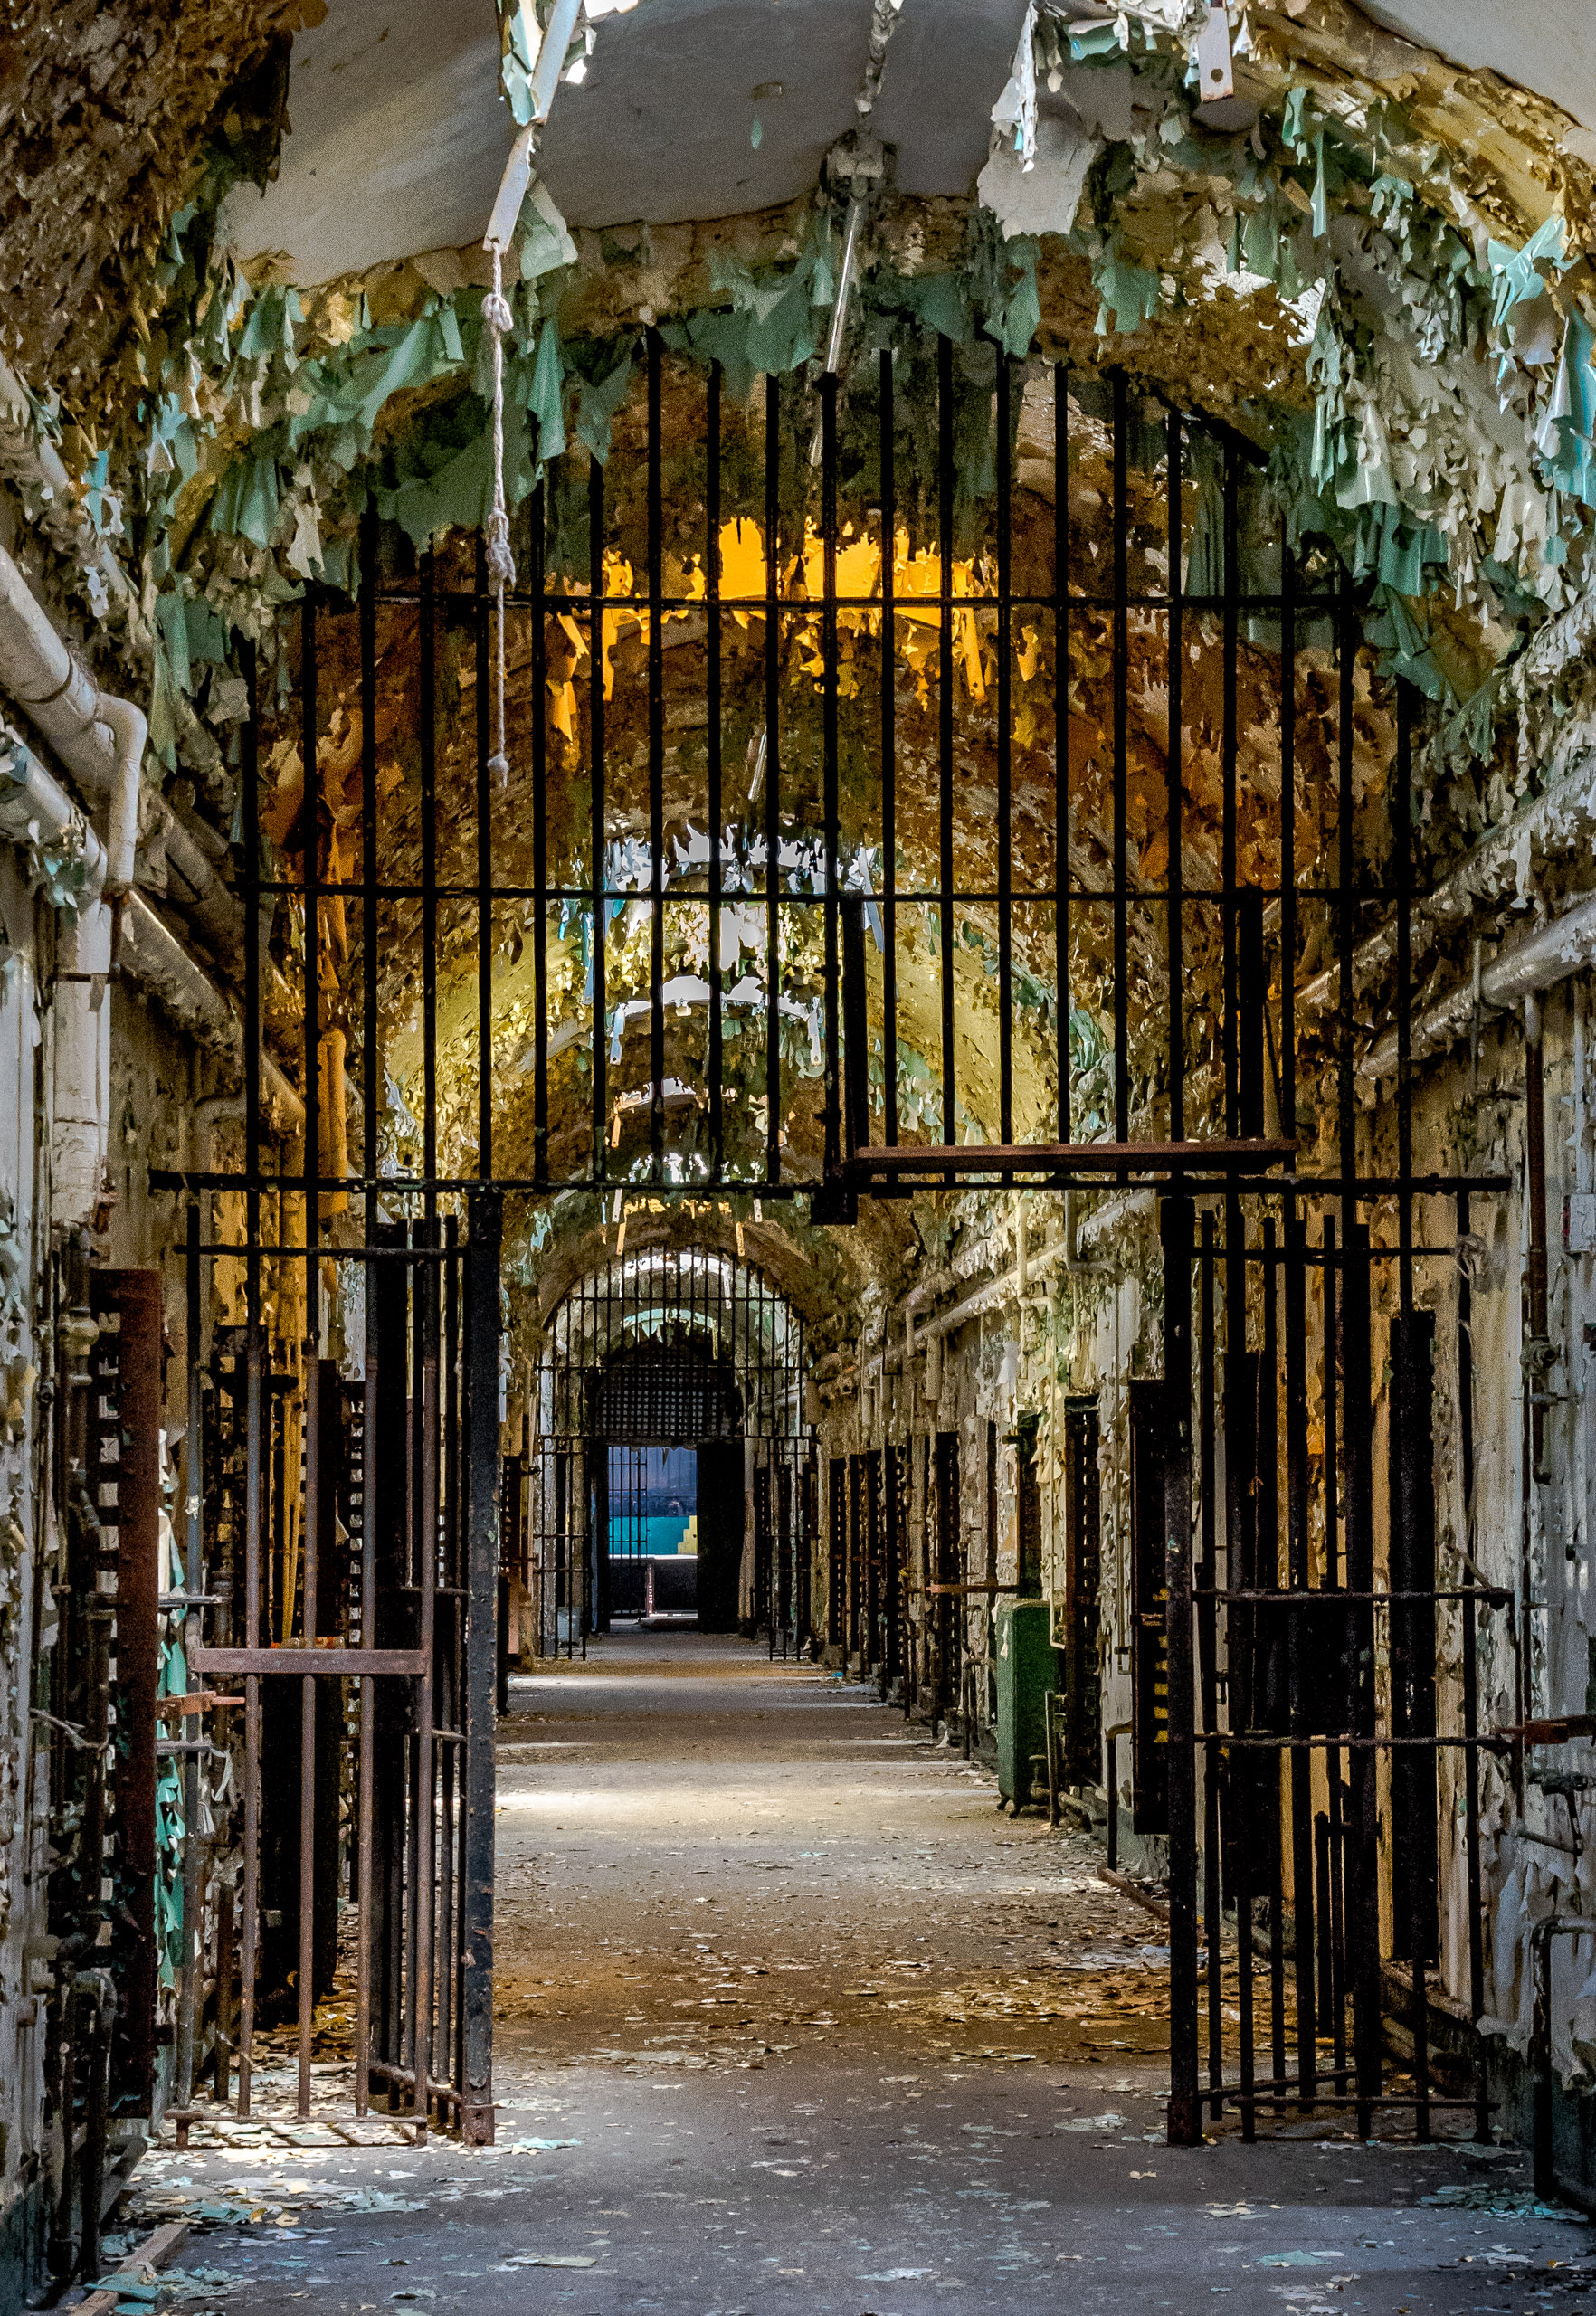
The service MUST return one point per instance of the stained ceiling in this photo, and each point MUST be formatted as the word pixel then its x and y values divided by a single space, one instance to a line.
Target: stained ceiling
pixel 400 136
pixel 399 133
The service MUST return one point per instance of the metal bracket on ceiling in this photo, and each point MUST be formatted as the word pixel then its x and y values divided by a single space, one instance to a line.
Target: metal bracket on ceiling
pixel 1210 53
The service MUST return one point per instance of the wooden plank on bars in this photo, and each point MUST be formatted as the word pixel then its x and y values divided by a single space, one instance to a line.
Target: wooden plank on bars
pixel 1219 1155
pixel 406 1663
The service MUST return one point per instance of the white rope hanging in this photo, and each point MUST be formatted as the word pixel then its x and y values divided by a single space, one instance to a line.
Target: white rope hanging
pixel 547 51
pixel 501 563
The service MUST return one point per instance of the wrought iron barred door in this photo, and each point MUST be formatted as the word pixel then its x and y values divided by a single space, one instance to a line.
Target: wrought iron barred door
pixel 968 689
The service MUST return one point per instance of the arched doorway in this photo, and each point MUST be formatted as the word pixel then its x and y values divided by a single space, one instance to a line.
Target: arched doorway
pixel 665 1426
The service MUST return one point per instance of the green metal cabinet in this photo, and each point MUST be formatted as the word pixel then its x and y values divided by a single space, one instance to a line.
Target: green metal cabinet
pixel 1025 1670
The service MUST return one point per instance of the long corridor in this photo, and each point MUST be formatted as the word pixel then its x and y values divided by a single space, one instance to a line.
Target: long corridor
pixel 793 2021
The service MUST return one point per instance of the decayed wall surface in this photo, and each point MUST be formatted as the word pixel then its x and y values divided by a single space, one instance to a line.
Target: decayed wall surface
pixel 26 1610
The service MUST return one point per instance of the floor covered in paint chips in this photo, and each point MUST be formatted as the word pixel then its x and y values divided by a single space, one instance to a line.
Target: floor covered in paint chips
pixel 793 2020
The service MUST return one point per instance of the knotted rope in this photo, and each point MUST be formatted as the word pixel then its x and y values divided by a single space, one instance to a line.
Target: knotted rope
pixel 501 563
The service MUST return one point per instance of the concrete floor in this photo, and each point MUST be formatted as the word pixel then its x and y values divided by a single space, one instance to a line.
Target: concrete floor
pixel 793 2019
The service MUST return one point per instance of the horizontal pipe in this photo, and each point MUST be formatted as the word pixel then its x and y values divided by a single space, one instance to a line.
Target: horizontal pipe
pixel 1551 825
pixel 1007 1286
pixel 99 738
pixel 34 808
pixel 153 953
pixel 1521 969
pixel 1004 1289
pixel 195 886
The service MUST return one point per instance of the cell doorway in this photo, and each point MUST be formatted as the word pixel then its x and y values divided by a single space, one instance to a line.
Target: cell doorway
pixel 660 1481
pixel 653 1534
pixel 674 1525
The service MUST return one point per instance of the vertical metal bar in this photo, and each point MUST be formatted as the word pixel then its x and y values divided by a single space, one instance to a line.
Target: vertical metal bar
pixel 1061 736
pixel 773 816
pixel 1111 1844
pixel 422 1234
pixel 1206 1640
pixel 1299 1637
pixel 944 702
pixel 310 823
pixel 194 1849
pixel 227 2016
pixel 1121 653
pixel 537 582
pixel 371 1080
pixel 856 1089
pixel 1330 1325
pixel 482 1353
pixel 1412 1677
pixel 426 1577
pixel 96 2123
pixel 1322 1901
pixel 1241 1804
pixel 1360 1941
pixel 1304 1879
pixel 597 865
pixel 1288 876
pixel 836 1125
pixel 1345 927
pixel 1243 1796
pixel 656 579
pixel 1268 1574
pixel 1241 1501
pixel 887 419
pixel 712 671
pixel 1401 846
pixel 1228 747
pixel 1414 1779
pixel 1348 1897
pixel 310 1396
pixel 251 1898
pixel 1005 767
pixel 1337 1919
pixel 1476 1924
pixel 483 608
pixel 371 1083
pixel 429 869
pixel 449 1626
pixel 1174 796
pixel 1330 1911
pixel 1364 1891
pixel 366 1879
pixel 1185 2117
pixel 309 1565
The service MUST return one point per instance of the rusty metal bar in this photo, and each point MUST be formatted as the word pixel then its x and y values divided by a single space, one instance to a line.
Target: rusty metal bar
pixel 481 1354
pixel 321 1662
pixel 1235 1154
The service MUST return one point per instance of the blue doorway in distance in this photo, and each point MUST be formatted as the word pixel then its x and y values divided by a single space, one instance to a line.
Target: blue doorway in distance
pixel 653 1540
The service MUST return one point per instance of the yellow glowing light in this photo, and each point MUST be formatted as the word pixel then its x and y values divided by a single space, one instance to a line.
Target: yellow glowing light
pixel 916 580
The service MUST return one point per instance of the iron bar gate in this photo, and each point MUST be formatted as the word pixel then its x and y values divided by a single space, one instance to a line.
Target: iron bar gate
pixel 1020 706
pixel 348 1555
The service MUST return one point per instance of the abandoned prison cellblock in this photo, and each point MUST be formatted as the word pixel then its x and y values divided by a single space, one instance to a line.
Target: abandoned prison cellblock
pixel 961 780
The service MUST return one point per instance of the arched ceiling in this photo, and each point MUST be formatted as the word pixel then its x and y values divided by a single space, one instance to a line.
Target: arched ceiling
pixel 813 1276
pixel 400 135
